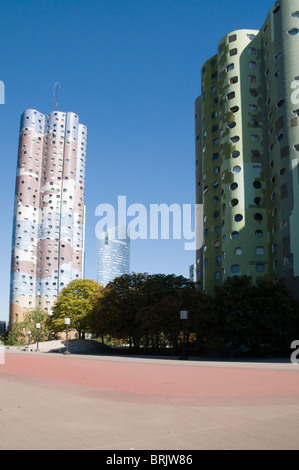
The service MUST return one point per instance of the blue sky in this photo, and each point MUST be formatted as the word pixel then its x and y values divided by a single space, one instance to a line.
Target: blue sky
pixel 131 70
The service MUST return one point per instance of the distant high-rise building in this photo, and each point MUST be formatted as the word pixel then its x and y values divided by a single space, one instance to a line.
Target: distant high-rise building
pixel 48 225
pixel 247 144
pixel 113 255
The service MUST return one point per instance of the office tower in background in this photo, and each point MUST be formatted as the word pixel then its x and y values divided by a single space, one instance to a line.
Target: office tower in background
pixel 247 151
pixel 113 255
pixel 48 224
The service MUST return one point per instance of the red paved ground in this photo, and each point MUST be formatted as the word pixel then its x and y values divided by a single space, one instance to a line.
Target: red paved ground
pixel 169 378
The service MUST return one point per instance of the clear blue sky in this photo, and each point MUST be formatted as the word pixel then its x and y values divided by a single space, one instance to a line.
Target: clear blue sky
pixel 131 70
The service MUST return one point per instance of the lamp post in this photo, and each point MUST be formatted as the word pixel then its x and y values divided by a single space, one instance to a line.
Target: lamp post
pixel 37 326
pixel 67 321
pixel 184 317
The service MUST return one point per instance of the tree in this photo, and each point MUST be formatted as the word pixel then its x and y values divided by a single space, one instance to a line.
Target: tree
pixel 25 332
pixel 260 319
pixel 143 308
pixel 76 302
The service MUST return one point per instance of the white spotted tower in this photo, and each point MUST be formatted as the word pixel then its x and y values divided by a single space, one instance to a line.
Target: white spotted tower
pixel 49 211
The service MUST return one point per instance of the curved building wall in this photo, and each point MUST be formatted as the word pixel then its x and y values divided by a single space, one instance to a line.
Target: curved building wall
pixel 248 153
pixel 48 222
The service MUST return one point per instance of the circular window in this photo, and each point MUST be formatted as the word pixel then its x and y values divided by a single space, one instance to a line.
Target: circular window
pixel 233 186
pixel 234 202
pixel 257 184
pixel 258 201
pixel 238 251
pixel 293 31
pixel 231 125
pixel 236 169
pixel 235 268
pixel 235 154
pixel 259 234
pixel 258 217
pixel 234 235
pixel 238 218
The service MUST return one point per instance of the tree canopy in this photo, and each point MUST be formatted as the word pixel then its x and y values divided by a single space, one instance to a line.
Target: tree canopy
pixel 75 302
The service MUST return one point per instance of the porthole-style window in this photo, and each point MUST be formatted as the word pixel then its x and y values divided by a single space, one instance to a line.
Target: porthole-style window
pixel 233 186
pixel 234 235
pixel 234 202
pixel 293 31
pixel 258 201
pixel 232 38
pixel 231 125
pixel 234 109
pixel 238 251
pixel 260 267
pixel 235 268
pixel 276 10
pixel 255 153
pixel 259 234
pixel 233 52
pixel 252 64
pixel 235 139
pixel 258 217
pixel 236 169
pixel 278 55
pixel 281 171
pixel 238 218
pixel 255 138
pixel 235 154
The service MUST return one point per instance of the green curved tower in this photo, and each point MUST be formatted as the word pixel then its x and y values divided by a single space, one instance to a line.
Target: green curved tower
pixel 247 151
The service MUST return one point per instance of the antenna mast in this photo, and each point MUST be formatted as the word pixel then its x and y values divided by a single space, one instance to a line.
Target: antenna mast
pixel 56 86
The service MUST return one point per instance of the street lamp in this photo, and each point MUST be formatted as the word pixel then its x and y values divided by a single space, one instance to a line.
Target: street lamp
pixel 37 326
pixel 67 321
pixel 184 317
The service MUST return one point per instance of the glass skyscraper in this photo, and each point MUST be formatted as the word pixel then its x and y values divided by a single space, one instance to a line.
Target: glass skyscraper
pixel 113 255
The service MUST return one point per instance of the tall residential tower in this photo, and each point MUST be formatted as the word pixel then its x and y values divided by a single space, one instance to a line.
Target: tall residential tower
pixel 247 151
pixel 48 225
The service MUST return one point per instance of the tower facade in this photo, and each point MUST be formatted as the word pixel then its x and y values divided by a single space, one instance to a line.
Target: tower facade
pixel 48 224
pixel 247 150
pixel 113 255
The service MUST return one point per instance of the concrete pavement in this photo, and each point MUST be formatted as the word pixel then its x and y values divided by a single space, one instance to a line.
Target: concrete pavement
pixel 57 402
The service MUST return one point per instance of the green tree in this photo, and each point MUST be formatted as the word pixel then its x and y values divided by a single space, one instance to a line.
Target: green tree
pixel 143 308
pixel 260 319
pixel 25 332
pixel 75 301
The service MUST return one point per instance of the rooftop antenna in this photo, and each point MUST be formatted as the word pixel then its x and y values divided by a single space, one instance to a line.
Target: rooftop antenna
pixel 56 87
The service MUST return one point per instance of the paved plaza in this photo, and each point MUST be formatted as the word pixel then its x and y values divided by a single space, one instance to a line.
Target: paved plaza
pixel 53 401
